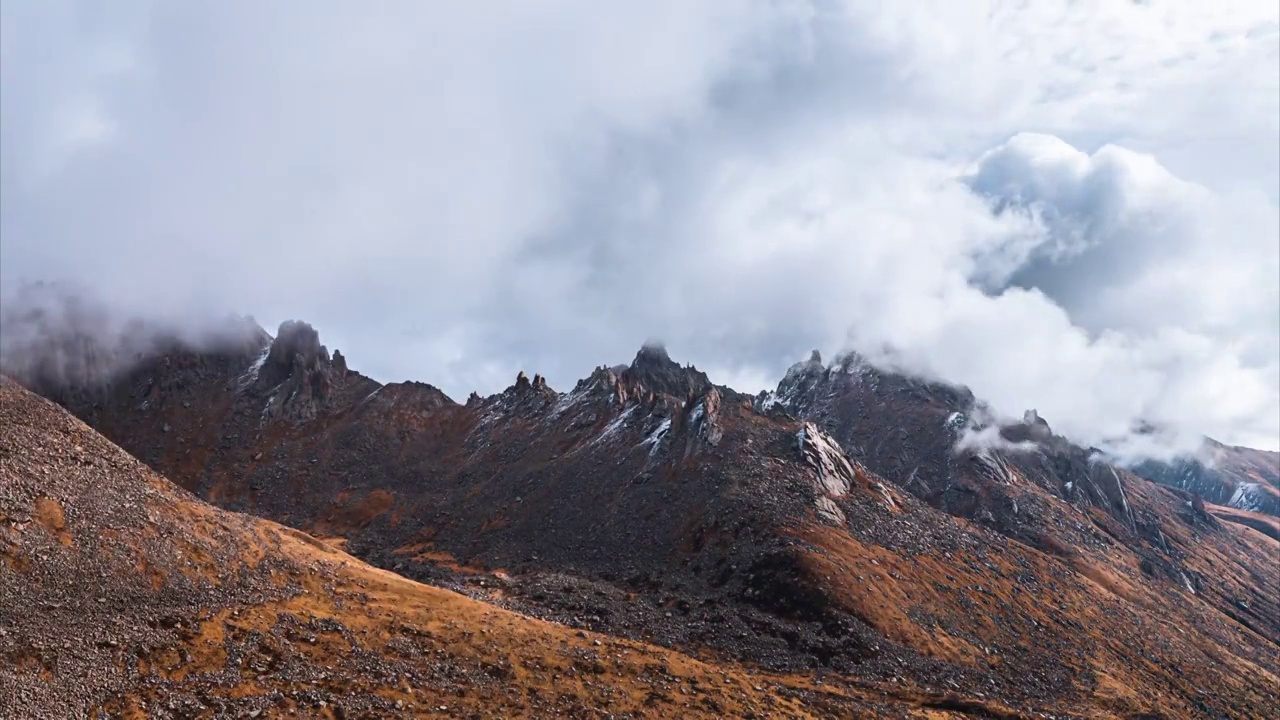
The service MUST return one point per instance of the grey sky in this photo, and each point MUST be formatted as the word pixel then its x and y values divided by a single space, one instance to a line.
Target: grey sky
pixel 1068 208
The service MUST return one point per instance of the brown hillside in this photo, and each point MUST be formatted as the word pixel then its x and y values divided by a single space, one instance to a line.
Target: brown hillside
pixel 124 596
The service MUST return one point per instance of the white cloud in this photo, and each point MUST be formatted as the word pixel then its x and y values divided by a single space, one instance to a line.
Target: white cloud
pixel 456 194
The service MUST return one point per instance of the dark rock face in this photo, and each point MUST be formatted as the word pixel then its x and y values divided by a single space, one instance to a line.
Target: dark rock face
pixel 299 372
pixel 655 371
pixel 914 432
pixel 297 345
pixel 1236 477
pixel 1032 429
pixel 841 521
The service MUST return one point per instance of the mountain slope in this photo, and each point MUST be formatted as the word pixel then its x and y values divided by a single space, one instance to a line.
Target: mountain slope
pixel 830 526
pixel 125 595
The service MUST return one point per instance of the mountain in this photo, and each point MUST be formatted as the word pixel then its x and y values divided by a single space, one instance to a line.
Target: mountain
pixel 905 427
pixel 829 528
pixel 1237 477
pixel 125 596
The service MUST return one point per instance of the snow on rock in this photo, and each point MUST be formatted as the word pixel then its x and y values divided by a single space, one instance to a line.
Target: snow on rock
pixel 568 400
pixel 615 426
pixel 1248 496
pixel 251 375
pixel 994 466
pixel 696 414
pixel 370 396
pixel 702 425
pixel 1186 582
pixel 655 438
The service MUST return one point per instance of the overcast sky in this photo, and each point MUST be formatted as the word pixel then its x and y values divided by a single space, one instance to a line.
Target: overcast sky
pixel 1067 206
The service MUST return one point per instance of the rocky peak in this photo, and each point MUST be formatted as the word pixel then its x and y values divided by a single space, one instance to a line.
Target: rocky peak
pixel 799 388
pixel 602 378
pixel 538 384
pixel 654 371
pixel 525 391
pixel 298 373
pixel 418 395
pixel 297 343
pixel 652 352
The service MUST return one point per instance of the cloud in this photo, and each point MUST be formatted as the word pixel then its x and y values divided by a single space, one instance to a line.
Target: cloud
pixel 1174 288
pixel 1068 208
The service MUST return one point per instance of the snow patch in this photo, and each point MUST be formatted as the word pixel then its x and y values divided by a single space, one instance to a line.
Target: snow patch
pixel 490 417
pixel 1248 496
pixel 369 397
pixel 1124 500
pixel 695 416
pixel 994 466
pixel 251 375
pixel 615 425
pixel 1186 582
pixel 569 399
pixel 656 437
pixel 266 409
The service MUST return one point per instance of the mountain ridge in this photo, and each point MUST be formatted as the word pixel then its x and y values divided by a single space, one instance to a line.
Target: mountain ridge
pixel 648 503
pixel 194 612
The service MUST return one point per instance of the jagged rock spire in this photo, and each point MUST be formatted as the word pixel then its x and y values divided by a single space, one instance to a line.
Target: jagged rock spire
pixel 300 366
pixel 655 371
pixel 296 340
pixel 652 352
pixel 525 388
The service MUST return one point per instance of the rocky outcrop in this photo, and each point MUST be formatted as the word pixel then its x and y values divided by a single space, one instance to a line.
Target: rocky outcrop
pixel 702 423
pixel 655 371
pixel 528 395
pixel 298 374
pixel 833 474
pixel 1032 429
